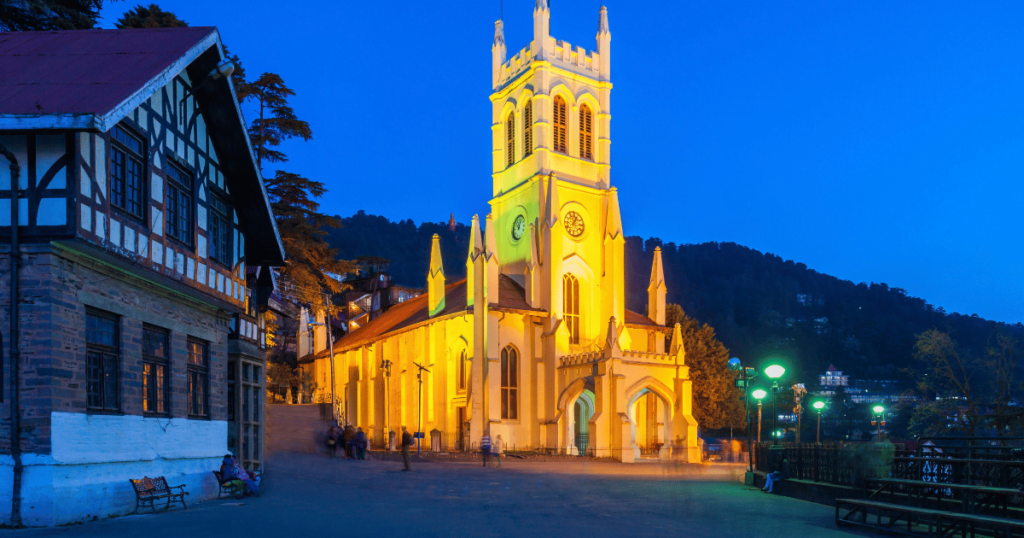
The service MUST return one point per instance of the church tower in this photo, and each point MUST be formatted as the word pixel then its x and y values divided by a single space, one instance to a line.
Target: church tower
pixel 555 212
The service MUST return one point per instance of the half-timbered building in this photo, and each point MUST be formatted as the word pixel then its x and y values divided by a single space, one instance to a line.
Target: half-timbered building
pixel 130 284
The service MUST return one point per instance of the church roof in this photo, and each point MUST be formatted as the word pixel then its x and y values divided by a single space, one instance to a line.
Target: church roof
pixel 511 296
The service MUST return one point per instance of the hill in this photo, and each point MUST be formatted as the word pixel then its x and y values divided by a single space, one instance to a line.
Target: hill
pixel 761 306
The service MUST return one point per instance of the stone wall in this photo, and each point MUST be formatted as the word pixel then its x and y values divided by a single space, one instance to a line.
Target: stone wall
pixel 71 453
pixel 297 428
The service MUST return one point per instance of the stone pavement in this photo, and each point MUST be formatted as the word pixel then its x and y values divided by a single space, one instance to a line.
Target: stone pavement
pixel 312 496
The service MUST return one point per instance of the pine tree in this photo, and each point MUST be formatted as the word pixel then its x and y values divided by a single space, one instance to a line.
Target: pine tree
pixel 276 121
pixel 149 17
pixel 716 402
pixel 35 15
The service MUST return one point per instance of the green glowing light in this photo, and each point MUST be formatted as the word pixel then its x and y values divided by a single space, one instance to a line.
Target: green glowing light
pixel 774 371
pixel 819 405
pixel 759 393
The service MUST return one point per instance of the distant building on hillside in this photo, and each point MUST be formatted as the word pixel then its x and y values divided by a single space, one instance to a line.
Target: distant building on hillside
pixel 833 378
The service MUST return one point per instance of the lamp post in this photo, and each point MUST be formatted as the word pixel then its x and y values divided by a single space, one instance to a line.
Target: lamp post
pixel 385 365
pixel 819 405
pixel 746 375
pixel 775 372
pixel 880 419
pixel 759 395
pixel 419 406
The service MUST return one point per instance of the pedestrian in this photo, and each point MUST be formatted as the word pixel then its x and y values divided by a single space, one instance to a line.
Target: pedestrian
pixel 332 439
pixel 485 447
pixel 349 435
pixel 406 443
pixel 360 443
pixel 499 447
pixel 780 474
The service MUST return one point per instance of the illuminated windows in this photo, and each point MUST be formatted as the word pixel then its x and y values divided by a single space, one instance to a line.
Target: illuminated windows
pixel 571 306
pixel 509 383
pixel 586 133
pixel 560 124
pixel 463 371
pixel 510 140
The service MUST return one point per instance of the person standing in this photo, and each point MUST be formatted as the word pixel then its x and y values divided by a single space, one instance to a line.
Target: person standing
pixel 499 447
pixel 360 444
pixel 406 443
pixel 349 436
pixel 332 439
pixel 485 447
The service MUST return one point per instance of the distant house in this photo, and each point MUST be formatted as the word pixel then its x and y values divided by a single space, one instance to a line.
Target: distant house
pixel 144 239
pixel 833 378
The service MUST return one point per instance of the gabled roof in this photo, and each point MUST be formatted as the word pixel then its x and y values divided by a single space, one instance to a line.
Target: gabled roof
pixel 88 80
pixel 511 296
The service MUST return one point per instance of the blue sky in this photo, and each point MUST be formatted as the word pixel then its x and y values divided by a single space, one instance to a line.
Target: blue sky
pixel 875 141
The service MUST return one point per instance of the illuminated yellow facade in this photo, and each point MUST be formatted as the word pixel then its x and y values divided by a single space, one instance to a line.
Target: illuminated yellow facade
pixel 536 344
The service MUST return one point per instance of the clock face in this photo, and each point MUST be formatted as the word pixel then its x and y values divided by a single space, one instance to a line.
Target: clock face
pixel 519 228
pixel 573 224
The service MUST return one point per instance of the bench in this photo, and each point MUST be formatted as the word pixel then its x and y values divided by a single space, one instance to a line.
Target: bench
pixel 972 499
pixel 924 522
pixel 148 490
pixel 228 487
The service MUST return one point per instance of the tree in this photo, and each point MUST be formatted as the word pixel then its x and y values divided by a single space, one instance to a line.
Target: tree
pixel 276 121
pixel 311 262
pixel 34 15
pixel 716 401
pixel 149 17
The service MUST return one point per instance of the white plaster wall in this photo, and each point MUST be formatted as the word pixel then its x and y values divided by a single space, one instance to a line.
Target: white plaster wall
pixel 86 475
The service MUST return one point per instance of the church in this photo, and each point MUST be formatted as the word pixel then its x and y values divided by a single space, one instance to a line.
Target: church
pixel 535 344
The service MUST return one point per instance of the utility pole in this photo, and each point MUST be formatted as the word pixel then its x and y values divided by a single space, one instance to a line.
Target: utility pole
pixel 330 351
pixel 419 406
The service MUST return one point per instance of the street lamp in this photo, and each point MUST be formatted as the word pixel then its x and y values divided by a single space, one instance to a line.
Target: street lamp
pixel 758 395
pixel 880 419
pixel 385 365
pixel 774 372
pixel 819 405
pixel 746 375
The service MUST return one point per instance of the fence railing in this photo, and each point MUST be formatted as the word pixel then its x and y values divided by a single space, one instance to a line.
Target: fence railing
pixel 831 463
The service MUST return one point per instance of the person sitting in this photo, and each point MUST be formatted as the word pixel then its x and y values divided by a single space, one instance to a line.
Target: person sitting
pixel 229 475
pixel 779 475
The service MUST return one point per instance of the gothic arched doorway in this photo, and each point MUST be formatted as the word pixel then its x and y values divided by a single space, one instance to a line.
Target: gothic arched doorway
pixel 650 424
pixel 582 412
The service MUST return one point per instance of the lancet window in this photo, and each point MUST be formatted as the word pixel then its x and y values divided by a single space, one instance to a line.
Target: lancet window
pixel 510 383
pixel 571 306
pixel 586 133
pixel 528 128
pixel 560 124
pixel 510 139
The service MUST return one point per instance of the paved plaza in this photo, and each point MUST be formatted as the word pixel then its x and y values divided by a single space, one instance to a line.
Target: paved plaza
pixel 312 496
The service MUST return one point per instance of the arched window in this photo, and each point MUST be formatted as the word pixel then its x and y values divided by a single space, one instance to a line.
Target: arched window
pixel 510 139
pixel 462 372
pixel 586 133
pixel 560 123
pixel 571 306
pixel 509 383
pixel 528 128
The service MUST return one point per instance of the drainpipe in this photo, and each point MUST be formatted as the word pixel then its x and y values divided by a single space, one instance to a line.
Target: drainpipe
pixel 13 339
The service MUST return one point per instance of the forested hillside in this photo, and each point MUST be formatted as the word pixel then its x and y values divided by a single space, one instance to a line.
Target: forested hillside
pixel 761 306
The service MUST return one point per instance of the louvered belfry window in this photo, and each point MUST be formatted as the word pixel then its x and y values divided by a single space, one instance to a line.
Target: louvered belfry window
pixel 560 124
pixel 528 128
pixel 571 306
pixel 510 140
pixel 586 133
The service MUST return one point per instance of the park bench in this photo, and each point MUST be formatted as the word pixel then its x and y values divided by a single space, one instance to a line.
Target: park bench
pixel 148 490
pixel 226 487
pixel 972 499
pixel 923 522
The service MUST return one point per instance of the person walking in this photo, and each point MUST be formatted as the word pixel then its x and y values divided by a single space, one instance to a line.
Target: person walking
pixel 406 443
pixel 349 436
pixel 499 447
pixel 485 447
pixel 333 435
pixel 360 443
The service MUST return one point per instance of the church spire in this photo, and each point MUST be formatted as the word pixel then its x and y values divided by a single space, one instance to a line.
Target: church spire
pixel 532 271
pixel 541 29
pixel 435 279
pixel 676 347
pixel 612 339
pixel 476 250
pixel 614 216
pixel 551 207
pixel 491 259
pixel 604 44
pixel 656 290
pixel 498 52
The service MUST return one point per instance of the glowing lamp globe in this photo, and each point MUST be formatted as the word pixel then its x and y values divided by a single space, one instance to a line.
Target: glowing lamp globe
pixel 774 371
pixel 819 405
pixel 878 409
pixel 759 393
pixel 734 364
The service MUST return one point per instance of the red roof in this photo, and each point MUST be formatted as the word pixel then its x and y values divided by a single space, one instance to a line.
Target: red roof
pixel 87 71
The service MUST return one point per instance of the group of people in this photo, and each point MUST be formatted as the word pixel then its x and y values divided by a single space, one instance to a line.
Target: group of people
pixel 352 440
pixel 489 448
pixel 243 482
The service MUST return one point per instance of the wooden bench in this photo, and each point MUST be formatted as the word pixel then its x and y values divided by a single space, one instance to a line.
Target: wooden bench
pixel 225 487
pixel 923 522
pixel 972 499
pixel 148 490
